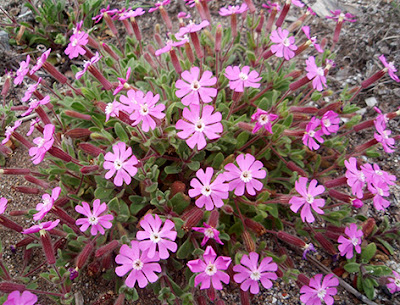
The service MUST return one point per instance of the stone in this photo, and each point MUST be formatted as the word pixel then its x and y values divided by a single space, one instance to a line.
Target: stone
pixel 4 41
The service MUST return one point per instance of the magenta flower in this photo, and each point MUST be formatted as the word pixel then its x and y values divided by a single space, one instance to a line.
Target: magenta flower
pixel 32 126
pixel 330 122
pixel 382 135
pixel 211 193
pixel 3 205
pixel 233 9
pixel 284 45
pixel 210 267
pixel 316 74
pixel 374 175
pixel 30 90
pixel 146 110
pixel 191 28
pixel 209 232
pixel 154 237
pixel 196 126
pixel 103 12
pixel 169 45
pixel 272 6
pixel 123 82
pixel 128 102
pixel 311 134
pixel 22 71
pixel 245 176
pixel 312 40
pixel 316 292
pixel 389 68
pixel 184 15
pixel 112 109
pixel 132 13
pixel 26 298
pixel 353 241
pixel 48 201
pixel 242 78
pixel 394 283
pixel 35 103
pixel 158 4
pixel 97 219
pixel 263 118
pixel 9 130
pixel 297 3
pixel 340 17
pixel 40 61
pixel 143 267
pixel 380 189
pixel 43 144
pixel 252 273
pixel 194 88
pixel 87 64
pixel 120 163
pixel 47 226
pixel 74 48
pixel 308 248
pixel 307 200
pixel 355 178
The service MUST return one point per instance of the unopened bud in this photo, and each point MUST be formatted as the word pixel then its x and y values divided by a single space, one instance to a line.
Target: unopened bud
pixel 24 242
pixel 86 170
pixel 91 149
pixel 227 209
pixel 165 17
pixel 220 302
pixel 193 217
pixel 84 256
pixel 27 190
pixel 110 51
pixel 299 83
pixel 368 226
pixel 189 52
pixel 245 126
pixel 56 210
pixel 78 133
pixel 55 73
pixel 197 46
pixel 96 73
pixel 251 6
pixel 363 125
pixel 14 171
pixel 339 196
pixel 36 181
pixel 290 239
pixel 175 61
pixel 177 187
pixel 47 247
pixel 261 23
pixel 336 182
pixel 218 38
pixel 283 14
pixel 59 153
pixel 330 107
pixel 311 110
pixel 10 224
pixel 107 248
pixel 78 115
pixel 362 147
pixel 8 287
pixel 357 203
pixel 6 86
pixel 150 60
pixel 294 74
pixel 248 241
pixel 255 226
pixel 325 243
pixel 213 219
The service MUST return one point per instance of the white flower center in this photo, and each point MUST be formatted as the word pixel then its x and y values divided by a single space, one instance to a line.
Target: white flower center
pixel 397 282
pixel 246 176
pixel 286 42
pixel 354 241
pixel 74 42
pixel 195 85
pixel 385 134
pixel 380 191
pixel 144 109
pixel 199 126
pixel 320 71
pixel 41 142
pixel 210 269
pixel 137 264
pixel 46 202
pixel 209 232
pixel 206 191
pixel 255 275
pixel 93 220
pixel 391 66
pixel 379 172
pixel 311 133
pixel 109 108
pixel 117 164
pixel 310 198
pixel 326 122
pixel 243 76
pixel 263 119
pixel 361 176
pixel 9 130
pixel 321 293
pixel 155 237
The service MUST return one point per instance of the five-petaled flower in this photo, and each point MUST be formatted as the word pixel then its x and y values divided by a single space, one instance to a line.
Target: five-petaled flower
pixel 154 237
pixel 30 90
pixel 75 46
pixel 330 122
pixel 283 45
pixel 97 219
pixel 35 103
pixel 24 298
pixel 263 118
pixel 311 134
pixel 209 232
pixel 340 17
pixel 389 68
pixel 191 28
pixel 316 292
pixel 355 177
pixel 307 201
pixel 10 130
pixel 242 78
pixel 251 273
pixel 394 283
pixel 40 61
pixel 43 144
pixel 233 9
pixel 210 267
pixel 46 226
pixel 382 134
pixel 48 201
pixel 354 240
pixel 22 71
pixel 316 74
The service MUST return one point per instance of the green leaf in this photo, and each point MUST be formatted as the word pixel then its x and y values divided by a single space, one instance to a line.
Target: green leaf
pixel 386 245
pixel 217 160
pixel 378 270
pixel 368 286
pixel 173 169
pixel 368 253
pixel 120 131
pixel 179 203
pixel 185 249
pixel 194 165
pixel 242 139
pixel 352 267
pixel 120 208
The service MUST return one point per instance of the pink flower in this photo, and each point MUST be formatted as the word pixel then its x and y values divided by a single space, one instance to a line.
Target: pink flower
pixel 10 130
pixel 97 219
pixel 132 13
pixel 154 237
pixel 199 125
pixel 32 126
pixel 103 12
pixel 284 45
pixel 123 82
pixel 48 201
pixel 246 175
pixel 272 6
pixel 382 135
pixel 312 40
pixel 191 28
pixel 316 292
pixel 30 90
pixel 252 273
pixel 389 67
pixel 169 45
pixel 26 298
pixel 119 163
pixel 263 118
pixel 43 144
pixel 354 241
pixel 209 232
pixel 87 64
pixel 39 63
pixel 3 205
pixel 308 248
pixel 394 283
pixel 374 175
pixel 355 177
pixel 158 4
pixel 210 268
pixel 380 189
pixel 330 122
pixel 22 71
pixel 74 48
pixel 145 109
pixel 297 3
pixel 340 17
pixel 307 199
pixel 233 9
pixel 211 193
pixel 128 102
pixel 194 88
pixel 316 74
pixel 241 78
pixel 35 103
pixel 184 15
pixel 112 109
pixel 143 267
pixel 47 226
pixel 310 134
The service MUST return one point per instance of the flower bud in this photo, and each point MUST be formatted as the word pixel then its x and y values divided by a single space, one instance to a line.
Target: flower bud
pixel 290 239
pixel 332 106
pixel 84 256
pixel 78 115
pixel 120 300
pixel 336 182
pixel 22 139
pixel 356 203
pixel 311 110
pixel 108 248
pixel 248 241
pixel 325 243
pixel 255 226
pixel 377 76
pixel 175 61
pixel 283 14
pixel 158 39
pixel 332 235
pixel 24 242
pixel 10 224
pixel 213 219
pixel 192 217
pixel 110 51
pixel 251 6
pixel 177 187
pixel 14 171
pixel 299 83
pixel 47 247
pixel 55 73
pixel 59 153
pixel 197 46
pixel 189 52
pixel 8 287
pixel 295 168
pixel 362 147
pixel 6 86
pixel 150 60
pixel 293 133
pixel 368 226
pixel 363 125
pixel 245 126
pixel 304 280
pixel 218 38
pixel 220 302
pixel 91 149
pixel 77 133
pixel 261 23
pixel 227 209
pixel 96 73
pixel 87 170
pixel 294 74
pixel 136 30
pixel 244 297
pixel 27 190
pixel 339 196
pixel 36 181
pixel 165 17
pixel 43 115
pixel 5 151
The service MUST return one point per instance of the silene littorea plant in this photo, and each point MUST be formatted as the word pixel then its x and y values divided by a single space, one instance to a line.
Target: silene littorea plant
pixel 197 158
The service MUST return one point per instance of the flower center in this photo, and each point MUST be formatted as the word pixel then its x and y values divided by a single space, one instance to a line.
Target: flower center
pixel 74 42
pixel 310 198
pixel 199 126
pixel 380 191
pixel 354 241
pixel 361 176
pixel 137 264
pixel 209 232
pixel 378 172
pixel 263 119
pixel 210 269
pixel 155 237
pixel 397 282
pixel 9 130
pixel 243 76
pixel 391 66
pixel 326 122
pixel 41 142
pixel 246 176
pixel 206 191
pixel 321 293
pixel 255 275
pixel 117 164
pixel 195 85
pixel 93 220
pixel 46 202
pixel 320 71
pixel 311 133
pixel 109 108
pixel 286 42
pixel 144 110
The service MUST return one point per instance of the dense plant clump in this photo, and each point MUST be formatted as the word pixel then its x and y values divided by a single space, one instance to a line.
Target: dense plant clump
pixel 215 152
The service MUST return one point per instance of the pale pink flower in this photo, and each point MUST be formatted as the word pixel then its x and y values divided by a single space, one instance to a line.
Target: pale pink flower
pixel 3 205
pixel 191 3
pixel 209 232
pixel 47 226
pixel 389 67
pixel 272 6
pixel 316 74
pixel 87 64
pixel 315 292
pixel 394 283
pixel 283 45
pixel 211 193
pixel 142 267
pixel 354 240
pixel 9 130
pixel 35 103
pixel 245 176
pixel 122 162
pixel 312 40
pixel 74 48
pixel 330 122
pixel 242 78
pixel 24 298
pixel 191 28
pixel 32 126
pixel 199 125
pixel 128 102
pixel 145 110
pixel 48 201
pixel 382 135
pixel 355 178
pixel 43 144
pixel 104 11
pixel 374 175
pixel 154 237
pixel 131 13
pixel 98 219
pixel 340 17
pixel 311 134
pixel 307 201
pixel 40 61
pixel 123 82
pixel 210 267
pixel 233 9
pixel 112 109
pixel 380 189
pixel 184 15
pixel 297 3
pixel 251 273
pixel 263 118
pixel 30 90
pixel 22 71
pixel 169 45
pixel 194 89
pixel 158 4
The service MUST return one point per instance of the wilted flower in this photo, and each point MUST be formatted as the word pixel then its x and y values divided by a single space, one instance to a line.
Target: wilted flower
pixel 87 64
pixel 316 292
pixel 242 78
pixel 40 61
pixel 32 126
pixel 9 131
pixel 123 82
pixel 97 219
